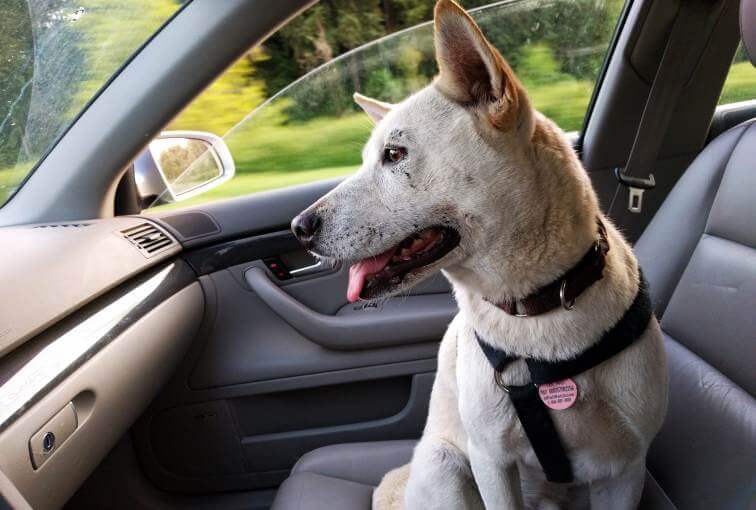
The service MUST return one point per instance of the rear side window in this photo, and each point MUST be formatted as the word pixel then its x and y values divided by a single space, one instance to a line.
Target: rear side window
pixel 741 80
pixel 54 57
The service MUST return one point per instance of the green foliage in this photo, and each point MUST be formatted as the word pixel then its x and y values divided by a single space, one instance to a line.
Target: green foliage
pixel 16 69
pixel 555 47
pixel 557 94
pixel 279 133
pixel 227 100
pixel 53 63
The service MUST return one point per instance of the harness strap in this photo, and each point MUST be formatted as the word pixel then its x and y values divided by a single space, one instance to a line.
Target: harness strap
pixel 531 411
pixel 626 331
pixel 540 430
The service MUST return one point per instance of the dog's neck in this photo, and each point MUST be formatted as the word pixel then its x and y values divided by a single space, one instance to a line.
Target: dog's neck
pixel 543 240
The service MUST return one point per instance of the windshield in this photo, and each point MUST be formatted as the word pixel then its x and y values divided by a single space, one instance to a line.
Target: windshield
pixel 54 57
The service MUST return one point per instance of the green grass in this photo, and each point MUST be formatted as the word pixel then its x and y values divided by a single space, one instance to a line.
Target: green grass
pixel 564 102
pixel 263 145
pixel 740 84
pixel 244 184
pixel 10 179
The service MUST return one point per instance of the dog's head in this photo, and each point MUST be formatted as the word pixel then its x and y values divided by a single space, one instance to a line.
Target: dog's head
pixel 434 169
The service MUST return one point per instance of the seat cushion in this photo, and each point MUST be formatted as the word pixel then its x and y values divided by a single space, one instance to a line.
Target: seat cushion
pixel 311 491
pixel 363 463
pixel 342 477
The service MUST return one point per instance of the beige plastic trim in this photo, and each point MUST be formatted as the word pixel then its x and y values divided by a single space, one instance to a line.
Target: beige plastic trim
pixel 108 393
pixel 11 494
pixel 49 270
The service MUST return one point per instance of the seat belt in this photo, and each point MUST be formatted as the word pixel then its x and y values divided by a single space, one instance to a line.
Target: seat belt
pixel 662 98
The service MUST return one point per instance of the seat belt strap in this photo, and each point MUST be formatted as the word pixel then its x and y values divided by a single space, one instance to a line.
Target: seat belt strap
pixel 637 175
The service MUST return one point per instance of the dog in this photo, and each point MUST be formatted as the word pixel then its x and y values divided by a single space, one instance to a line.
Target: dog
pixel 467 178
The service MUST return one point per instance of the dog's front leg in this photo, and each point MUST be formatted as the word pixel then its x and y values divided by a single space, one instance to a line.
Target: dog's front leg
pixel 623 492
pixel 440 477
pixel 498 480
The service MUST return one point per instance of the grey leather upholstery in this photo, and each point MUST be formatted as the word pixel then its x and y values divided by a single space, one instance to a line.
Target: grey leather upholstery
pixel 699 256
pixel 341 477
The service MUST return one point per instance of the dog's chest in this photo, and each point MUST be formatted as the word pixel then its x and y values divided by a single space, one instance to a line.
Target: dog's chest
pixel 488 416
pixel 490 421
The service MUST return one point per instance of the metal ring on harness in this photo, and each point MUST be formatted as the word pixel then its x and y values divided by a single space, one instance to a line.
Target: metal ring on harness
pixel 498 381
pixel 565 304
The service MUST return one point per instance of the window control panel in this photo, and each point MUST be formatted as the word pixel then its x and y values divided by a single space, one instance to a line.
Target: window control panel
pixel 47 440
pixel 276 266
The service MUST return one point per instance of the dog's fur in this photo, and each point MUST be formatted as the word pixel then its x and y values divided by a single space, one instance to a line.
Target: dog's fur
pixel 481 160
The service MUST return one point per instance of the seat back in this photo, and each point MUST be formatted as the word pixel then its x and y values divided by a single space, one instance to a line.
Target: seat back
pixel 699 255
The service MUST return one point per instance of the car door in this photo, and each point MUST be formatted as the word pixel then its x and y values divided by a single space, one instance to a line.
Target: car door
pixel 283 364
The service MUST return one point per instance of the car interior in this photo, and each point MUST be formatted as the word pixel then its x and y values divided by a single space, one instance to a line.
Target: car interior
pixel 198 357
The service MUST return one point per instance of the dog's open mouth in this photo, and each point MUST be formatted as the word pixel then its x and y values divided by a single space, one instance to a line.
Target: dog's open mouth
pixel 378 275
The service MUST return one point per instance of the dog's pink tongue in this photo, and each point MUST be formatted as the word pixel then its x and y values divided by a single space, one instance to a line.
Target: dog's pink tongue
pixel 359 272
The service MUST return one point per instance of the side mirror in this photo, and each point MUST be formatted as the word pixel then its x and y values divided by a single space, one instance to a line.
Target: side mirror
pixel 178 165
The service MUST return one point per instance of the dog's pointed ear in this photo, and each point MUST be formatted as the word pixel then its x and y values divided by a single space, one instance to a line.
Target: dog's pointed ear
pixel 473 72
pixel 375 109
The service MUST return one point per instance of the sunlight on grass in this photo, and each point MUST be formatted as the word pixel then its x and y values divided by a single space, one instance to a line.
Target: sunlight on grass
pixel 740 84
pixel 244 184
pixel 10 180
pixel 323 142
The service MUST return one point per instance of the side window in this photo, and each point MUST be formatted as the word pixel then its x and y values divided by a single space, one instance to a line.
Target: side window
pixel 740 84
pixel 285 109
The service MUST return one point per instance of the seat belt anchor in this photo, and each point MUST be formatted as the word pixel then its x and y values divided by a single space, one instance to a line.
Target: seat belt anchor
pixel 636 186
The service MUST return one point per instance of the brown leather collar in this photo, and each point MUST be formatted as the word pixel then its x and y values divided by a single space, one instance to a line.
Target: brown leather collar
pixel 564 290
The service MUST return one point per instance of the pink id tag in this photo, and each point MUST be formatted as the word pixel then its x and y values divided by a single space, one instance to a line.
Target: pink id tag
pixel 559 395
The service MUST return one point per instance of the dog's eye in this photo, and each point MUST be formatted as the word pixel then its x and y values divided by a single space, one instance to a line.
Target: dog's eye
pixel 393 154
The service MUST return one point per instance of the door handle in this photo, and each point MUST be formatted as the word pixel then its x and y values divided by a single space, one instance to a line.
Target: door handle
pixel 400 321
pixel 304 271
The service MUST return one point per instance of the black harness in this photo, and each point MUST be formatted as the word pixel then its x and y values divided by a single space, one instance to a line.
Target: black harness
pixel 533 413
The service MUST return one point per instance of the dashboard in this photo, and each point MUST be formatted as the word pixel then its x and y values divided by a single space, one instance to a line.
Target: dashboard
pixel 94 318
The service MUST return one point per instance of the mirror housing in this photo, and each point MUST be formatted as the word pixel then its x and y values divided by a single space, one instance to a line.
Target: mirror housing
pixel 177 165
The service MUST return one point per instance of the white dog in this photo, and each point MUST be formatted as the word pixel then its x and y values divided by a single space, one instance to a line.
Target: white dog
pixel 466 177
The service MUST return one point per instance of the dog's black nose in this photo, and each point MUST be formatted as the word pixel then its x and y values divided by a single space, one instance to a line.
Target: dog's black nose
pixel 305 226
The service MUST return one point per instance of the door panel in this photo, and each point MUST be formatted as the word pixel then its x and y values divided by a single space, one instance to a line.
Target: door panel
pixel 397 321
pixel 284 365
pixel 249 342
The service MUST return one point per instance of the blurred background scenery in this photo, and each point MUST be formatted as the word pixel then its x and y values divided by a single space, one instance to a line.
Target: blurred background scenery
pixel 285 108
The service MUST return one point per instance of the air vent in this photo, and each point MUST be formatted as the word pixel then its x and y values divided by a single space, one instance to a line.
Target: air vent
pixel 148 238
pixel 64 225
